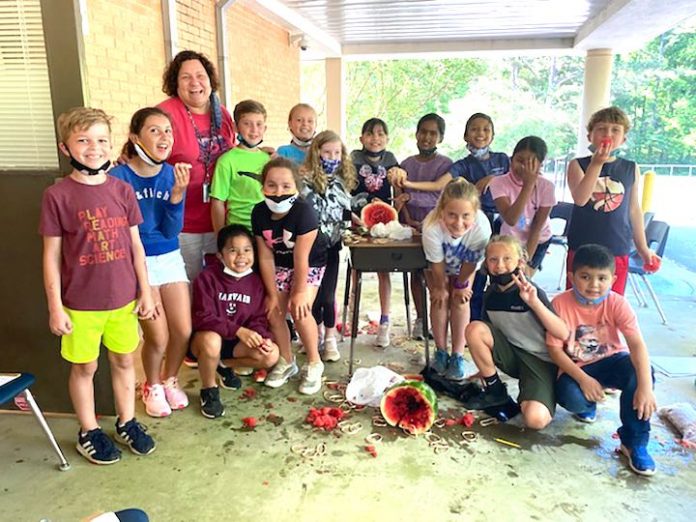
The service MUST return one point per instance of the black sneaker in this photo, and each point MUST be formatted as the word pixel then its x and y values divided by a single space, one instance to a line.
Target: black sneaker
pixel 490 397
pixel 211 407
pixel 97 447
pixel 134 435
pixel 291 327
pixel 228 379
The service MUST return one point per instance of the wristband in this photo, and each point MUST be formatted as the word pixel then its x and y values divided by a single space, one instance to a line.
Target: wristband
pixel 459 285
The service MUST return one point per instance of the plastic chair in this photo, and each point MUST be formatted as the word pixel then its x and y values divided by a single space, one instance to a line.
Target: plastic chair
pixel 656 234
pixel 564 211
pixel 19 385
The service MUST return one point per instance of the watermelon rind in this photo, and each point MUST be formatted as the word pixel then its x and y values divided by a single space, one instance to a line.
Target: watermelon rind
pixel 423 399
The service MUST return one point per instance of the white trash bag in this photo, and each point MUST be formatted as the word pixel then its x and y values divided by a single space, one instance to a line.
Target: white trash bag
pixel 367 385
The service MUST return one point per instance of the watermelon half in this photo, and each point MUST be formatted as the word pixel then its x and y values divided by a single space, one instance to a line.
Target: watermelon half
pixel 378 212
pixel 411 405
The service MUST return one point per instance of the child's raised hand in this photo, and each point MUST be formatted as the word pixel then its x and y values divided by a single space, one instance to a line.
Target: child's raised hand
pixel 602 154
pixel 182 176
pixel 249 337
pixel 396 177
pixel 644 403
pixel 528 170
pixel 591 389
pixel 528 291
pixel 60 323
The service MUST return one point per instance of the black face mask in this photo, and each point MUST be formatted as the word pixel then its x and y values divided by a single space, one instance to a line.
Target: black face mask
pixel 374 156
pixel 88 170
pixel 503 279
pixel 427 152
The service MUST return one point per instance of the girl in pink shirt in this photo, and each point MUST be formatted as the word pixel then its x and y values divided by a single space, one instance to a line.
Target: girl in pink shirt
pixel 524 199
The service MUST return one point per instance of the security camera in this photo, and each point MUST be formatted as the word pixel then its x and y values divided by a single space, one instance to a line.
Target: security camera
pixel 299 40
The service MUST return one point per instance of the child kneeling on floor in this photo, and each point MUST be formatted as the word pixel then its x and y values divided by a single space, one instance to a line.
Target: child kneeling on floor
pixel 229 319
pixel 516 317
pixel 593 356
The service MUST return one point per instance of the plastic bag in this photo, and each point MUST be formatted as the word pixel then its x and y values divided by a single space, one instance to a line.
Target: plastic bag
pixel 367 385
pixel 683 417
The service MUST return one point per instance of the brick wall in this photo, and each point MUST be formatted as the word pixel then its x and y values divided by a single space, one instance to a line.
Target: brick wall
pixel 124 54
pixel 263 67
pixel 196 27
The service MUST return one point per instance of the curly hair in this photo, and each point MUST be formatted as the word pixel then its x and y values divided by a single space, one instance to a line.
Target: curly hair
pixel 313 172
pixel 170 78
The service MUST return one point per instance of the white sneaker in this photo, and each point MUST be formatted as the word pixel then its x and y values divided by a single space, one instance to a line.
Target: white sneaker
pixel 311 378
pixel 176 397
pixel 155 400
pixel 281 372
pixel 382 339
pixel 331 352
pixel 244 371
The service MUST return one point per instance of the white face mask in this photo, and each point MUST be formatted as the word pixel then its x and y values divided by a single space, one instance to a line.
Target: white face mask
pixel 238 275
pixel 281 204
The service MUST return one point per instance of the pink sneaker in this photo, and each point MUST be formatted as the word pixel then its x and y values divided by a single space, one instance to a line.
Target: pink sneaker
pixel 155 401
pixel 176 397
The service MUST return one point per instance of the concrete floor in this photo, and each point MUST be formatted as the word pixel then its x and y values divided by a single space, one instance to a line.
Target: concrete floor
pixel 217 470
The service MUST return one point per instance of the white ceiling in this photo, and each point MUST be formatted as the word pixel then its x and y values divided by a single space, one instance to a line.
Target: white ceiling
pixel 388 28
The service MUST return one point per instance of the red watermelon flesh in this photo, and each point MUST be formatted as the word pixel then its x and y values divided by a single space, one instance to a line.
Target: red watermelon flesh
pixel 411 405
pixel 377 212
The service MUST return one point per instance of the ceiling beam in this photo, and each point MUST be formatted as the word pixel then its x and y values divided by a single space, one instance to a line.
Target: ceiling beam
pixel 625 25
pixel 279 13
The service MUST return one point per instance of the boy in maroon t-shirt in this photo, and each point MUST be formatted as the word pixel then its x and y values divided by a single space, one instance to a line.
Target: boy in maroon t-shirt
pixel 95 280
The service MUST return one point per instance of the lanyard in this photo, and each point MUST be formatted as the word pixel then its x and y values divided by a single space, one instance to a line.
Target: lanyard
pixel 205 147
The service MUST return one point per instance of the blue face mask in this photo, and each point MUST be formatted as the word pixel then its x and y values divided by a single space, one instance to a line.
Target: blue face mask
pixel 478 153
pixel 330 166
pixel 585 301
pixel 248 145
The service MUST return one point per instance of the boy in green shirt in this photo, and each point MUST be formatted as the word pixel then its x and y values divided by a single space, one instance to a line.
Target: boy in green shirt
pixel 237 180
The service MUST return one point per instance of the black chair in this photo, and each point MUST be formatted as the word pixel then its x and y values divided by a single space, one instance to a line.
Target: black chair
pixel 656 234
pixel 12 385
pixel 564 211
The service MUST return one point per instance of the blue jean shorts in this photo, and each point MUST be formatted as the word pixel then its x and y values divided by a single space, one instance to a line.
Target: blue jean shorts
pixel 166 268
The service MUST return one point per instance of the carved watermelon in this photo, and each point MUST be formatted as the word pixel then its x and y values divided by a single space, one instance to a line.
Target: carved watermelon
pixel 411 405
pixel 378 212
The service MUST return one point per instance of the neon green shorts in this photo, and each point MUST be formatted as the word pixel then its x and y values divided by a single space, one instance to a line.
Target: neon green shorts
pixel 118 329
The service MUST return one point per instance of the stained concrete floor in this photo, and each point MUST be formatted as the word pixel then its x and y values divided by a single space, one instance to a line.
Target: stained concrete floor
pixel 216 470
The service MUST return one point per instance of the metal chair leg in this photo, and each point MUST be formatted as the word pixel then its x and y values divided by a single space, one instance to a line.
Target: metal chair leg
pixel 563 275
pixel 655 300
pixel 64 464
pixel 354 320
pixel 636 291
pixel 346 300
pixel 426 334
pixel 407 302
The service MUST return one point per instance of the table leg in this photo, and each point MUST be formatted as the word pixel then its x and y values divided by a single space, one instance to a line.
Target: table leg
pixel 424 297
pixel 407 302
pixel 346 300
pixel 354 319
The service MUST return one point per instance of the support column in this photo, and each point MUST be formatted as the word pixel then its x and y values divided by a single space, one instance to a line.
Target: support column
pixel 596 90
pixel 335 96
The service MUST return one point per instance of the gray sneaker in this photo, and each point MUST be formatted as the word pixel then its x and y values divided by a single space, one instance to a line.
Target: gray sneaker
pixel 331 352
pixel 281 372
pixel 311 378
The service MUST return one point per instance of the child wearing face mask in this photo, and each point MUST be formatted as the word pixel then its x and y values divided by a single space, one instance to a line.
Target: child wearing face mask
pixel 454 236
pixel 525 198
pixel 302 122
pixel 375 166
pixel 512 336
pixel 479 168
pixel 292 260
pixel 427 173
pixel 328 177
pixel 160 190
pixel 236 185
pixel 229 319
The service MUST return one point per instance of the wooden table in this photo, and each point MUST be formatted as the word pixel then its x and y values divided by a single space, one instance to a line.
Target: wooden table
pixel 385 255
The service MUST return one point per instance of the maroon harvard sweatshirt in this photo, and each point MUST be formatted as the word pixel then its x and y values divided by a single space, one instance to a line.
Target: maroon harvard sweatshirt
pixel 223 303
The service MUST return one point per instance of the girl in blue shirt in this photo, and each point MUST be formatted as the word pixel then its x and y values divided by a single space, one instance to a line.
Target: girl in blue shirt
pixel 160 189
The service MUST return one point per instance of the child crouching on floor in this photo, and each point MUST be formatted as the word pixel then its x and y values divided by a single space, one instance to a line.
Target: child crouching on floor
pixel 516 317
pixel 229 319
pixel 594 357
